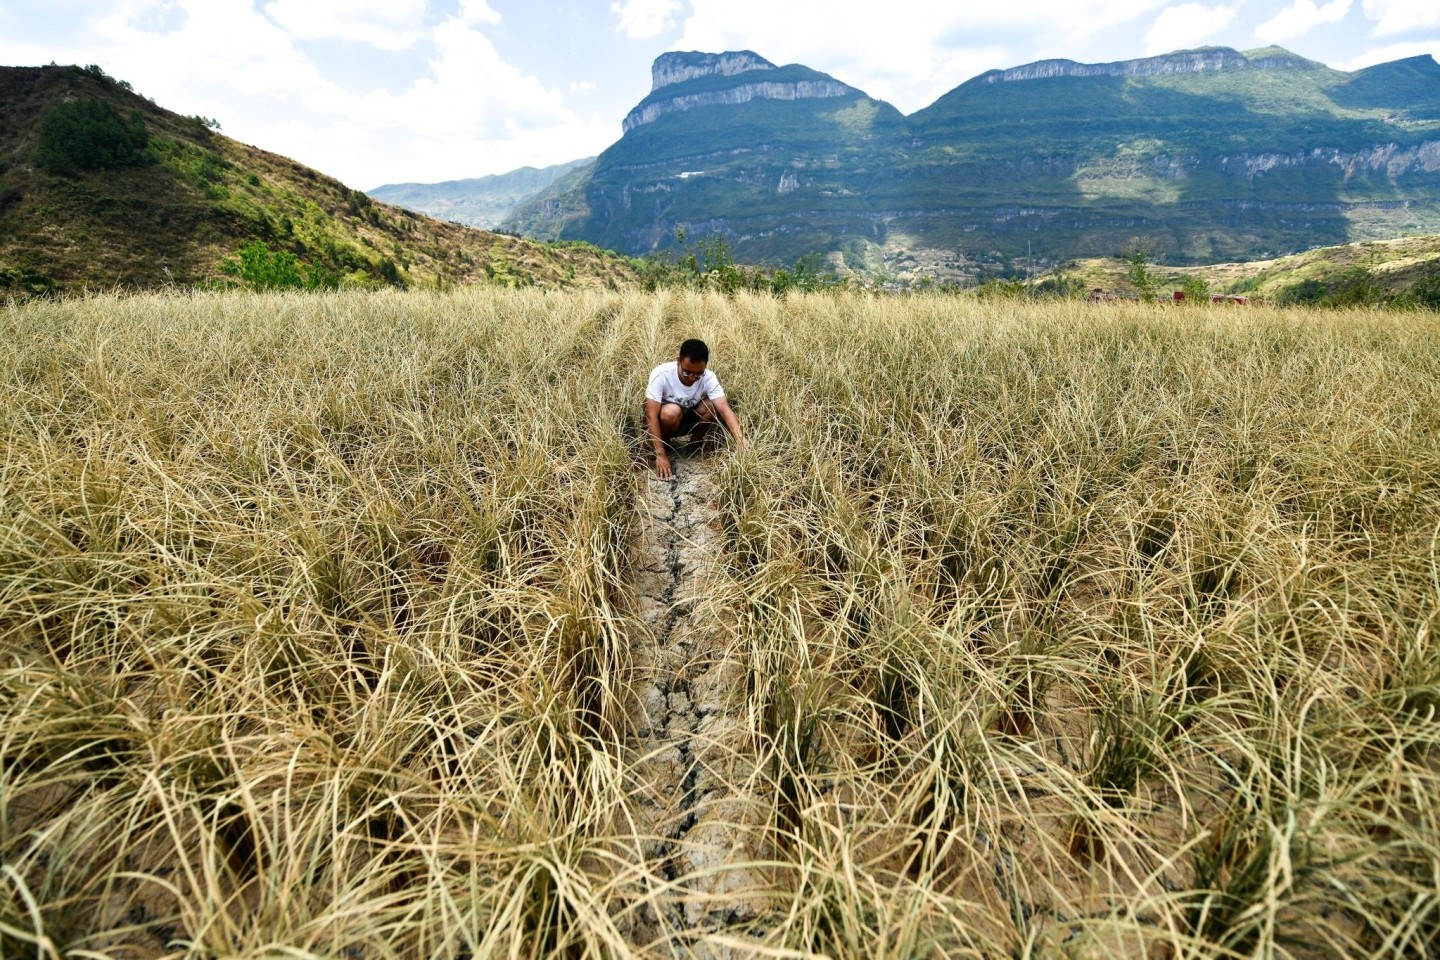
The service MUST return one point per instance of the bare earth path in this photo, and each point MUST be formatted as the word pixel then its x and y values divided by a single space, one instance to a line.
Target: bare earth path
pixel 687 745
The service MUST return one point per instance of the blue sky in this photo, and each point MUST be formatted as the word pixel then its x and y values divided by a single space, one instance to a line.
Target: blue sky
pixel 377 91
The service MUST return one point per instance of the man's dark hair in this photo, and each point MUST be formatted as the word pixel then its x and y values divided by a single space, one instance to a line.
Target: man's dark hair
pixel 695 351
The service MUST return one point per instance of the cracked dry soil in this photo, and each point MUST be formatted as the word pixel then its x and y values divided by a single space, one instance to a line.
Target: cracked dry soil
pixel 687 746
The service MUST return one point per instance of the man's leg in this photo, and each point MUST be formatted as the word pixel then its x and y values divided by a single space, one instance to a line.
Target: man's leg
pixel 670 417
pixel 707 433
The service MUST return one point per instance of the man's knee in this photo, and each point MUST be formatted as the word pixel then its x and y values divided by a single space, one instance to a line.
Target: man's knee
pixel 670 417
pixel 705 410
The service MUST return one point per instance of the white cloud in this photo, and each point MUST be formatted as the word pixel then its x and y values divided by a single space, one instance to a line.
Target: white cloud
pixel 541 147
pixel 478 11
pixel 387 24
pixel 1188 25
pixel 468 113
pixel 472 113
pixel 469 90
pixel 645 18
pixel 1300 18
pixel 906 51
pixel 1401 16
pixel 1395 51
pixel 225 44
pixel 365 157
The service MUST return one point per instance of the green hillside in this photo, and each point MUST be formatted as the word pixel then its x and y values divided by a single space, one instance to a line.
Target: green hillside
pixel 102 188
pixel 1204 155
pixel 1410 87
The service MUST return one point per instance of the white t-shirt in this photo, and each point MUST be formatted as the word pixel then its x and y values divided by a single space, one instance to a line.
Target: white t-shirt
pixel 665 386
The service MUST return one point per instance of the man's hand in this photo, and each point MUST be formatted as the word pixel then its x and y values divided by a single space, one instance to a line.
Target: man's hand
pixel 652 429
pixel 732 423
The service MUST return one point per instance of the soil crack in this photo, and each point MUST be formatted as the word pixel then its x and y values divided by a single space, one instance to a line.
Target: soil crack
pixel 686 742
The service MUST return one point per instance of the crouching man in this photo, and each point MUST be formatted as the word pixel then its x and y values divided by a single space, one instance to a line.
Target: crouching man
pixel 683 397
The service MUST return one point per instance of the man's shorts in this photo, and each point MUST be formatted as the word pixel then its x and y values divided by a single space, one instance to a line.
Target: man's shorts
pixel 689 417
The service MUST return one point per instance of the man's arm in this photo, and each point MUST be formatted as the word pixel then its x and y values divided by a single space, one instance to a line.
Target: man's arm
pixel 652 427
pixel 732 423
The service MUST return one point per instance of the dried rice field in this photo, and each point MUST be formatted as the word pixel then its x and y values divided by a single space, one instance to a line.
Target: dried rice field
pixel 355 625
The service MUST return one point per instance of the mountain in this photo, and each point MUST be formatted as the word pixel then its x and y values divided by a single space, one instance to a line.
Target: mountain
pixel 1200 155
pixel 100 187
pixel 778 158
pixel 478 201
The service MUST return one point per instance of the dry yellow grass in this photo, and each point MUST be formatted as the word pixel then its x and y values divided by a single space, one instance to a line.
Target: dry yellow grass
pixel 1068 629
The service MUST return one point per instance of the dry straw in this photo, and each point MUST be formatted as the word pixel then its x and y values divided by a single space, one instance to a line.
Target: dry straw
pixel 1068 630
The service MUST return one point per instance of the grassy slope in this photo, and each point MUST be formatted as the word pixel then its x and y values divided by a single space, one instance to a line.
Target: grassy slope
pixel 1068 631
pixel 203 195
pixel 1398 264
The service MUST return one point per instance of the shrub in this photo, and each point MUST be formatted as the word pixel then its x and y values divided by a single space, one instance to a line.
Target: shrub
pixel 89 135
pixel 389 272
pixel 1061 286
pixel 15 281
pixel 1305 292
pixel 98 72
pixel 1197 290
pixel 1001 288
pixel 263 269
pixel 1425 293
pixel 804 275
pixel 1357 287
pixel 709 264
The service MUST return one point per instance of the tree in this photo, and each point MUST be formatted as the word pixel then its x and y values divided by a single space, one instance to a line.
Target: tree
pixel 1142 279
pixel 89 135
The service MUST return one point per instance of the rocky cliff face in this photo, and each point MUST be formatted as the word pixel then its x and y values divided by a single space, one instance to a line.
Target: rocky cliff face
pixel 1387 160
pixel 801 90
pixel 1384 160
pixel 673 68
pixel 1188 61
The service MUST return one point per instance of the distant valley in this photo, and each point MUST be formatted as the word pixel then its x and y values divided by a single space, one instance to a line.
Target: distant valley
pixel 476 202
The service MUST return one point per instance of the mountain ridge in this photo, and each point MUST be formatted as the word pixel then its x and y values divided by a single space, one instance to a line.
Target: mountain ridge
pixel 700 80
pixel 1189 61
pixel 680 67
pixel 1207 154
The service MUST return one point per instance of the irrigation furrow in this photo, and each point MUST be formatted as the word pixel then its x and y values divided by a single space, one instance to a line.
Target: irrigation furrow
pixel 686 741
